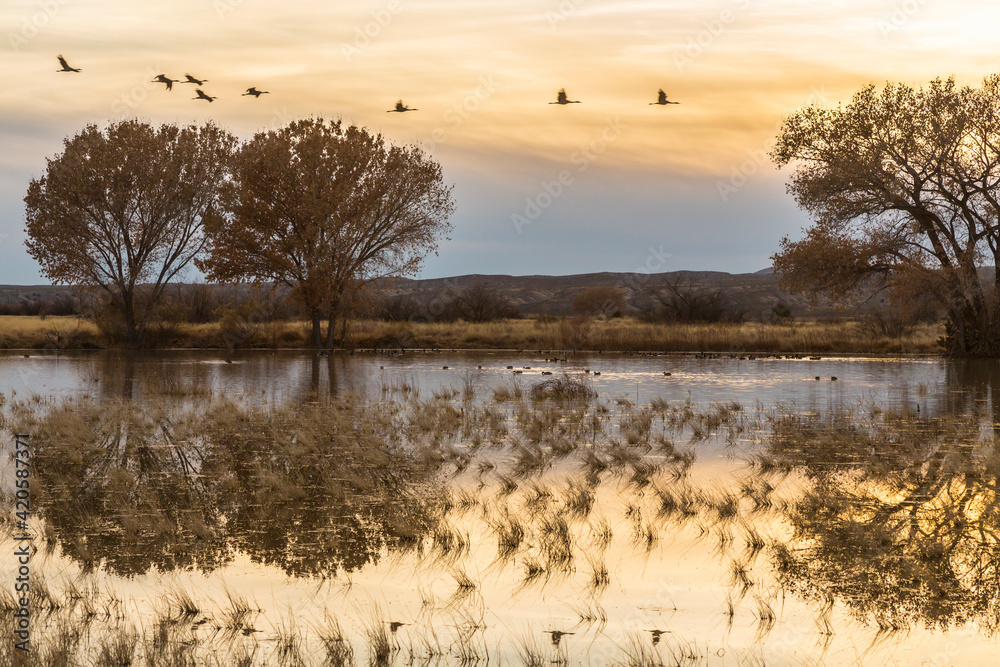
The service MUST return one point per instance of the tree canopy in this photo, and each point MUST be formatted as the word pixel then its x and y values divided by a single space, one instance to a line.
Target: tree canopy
pixel 323 207
pixel 122 209
pixel 903 185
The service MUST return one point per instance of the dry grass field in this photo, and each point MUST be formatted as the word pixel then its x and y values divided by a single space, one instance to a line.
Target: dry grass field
pixel 621 335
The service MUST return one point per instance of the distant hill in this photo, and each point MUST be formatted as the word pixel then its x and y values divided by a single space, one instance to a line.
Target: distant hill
pixel 757 293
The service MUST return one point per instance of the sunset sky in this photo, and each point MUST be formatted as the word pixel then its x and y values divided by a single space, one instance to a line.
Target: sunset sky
pixel 684 186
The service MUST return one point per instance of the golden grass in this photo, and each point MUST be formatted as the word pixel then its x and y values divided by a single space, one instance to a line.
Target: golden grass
pixel 617 335
pixel 31 331
pixel 629 335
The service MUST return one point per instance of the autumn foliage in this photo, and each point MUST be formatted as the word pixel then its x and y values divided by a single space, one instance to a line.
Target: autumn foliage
pixel 903 187
pixel 122 210
pixel 325 209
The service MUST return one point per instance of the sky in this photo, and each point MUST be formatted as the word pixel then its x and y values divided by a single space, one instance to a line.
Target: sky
pixel 610 184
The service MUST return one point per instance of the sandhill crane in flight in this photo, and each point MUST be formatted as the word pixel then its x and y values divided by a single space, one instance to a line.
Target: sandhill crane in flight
pixel 256 93
pixel 191 79
pixel 202 96
pixel 401 108
pixel 661 99
pixel 561 98
pixel 163 78
pixel 65 66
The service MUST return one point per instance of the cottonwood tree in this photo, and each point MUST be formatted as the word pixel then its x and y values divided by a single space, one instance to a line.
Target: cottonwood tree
pixel 324 208
pixel 903 185
pixel 122 210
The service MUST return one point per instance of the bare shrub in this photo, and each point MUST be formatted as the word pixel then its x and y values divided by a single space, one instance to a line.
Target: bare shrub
pixel 602 301
pixel 675 299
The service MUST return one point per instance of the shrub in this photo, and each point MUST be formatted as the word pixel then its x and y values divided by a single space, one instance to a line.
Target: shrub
pixel 601 301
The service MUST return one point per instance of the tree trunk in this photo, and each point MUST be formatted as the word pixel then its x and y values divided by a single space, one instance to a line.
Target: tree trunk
pixel 317 334
pixel 131 330
pixel 978 331
pixel 331 324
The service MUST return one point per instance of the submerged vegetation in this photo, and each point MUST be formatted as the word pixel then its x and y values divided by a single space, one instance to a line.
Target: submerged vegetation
pixel 865 518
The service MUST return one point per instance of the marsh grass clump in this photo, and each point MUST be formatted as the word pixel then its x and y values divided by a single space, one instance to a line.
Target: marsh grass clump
pixel 529 652
pixel 562 389
pixel 636 427
pixel 766 618
pixel 556 543
pixel 537 499
pixel 183 606
pixel 534 570
pixel 117 648
pixel 379 647
pixel 288 643
pixel 531 460
pixel 508 391
pixel 593 466
pixel 599 578
pixel 578 499
pixel 236 616
pixel 510 533
pixel 640 653
pixel 601 533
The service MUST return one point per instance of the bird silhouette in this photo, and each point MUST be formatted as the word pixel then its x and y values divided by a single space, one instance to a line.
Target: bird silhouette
pixel 202 96
pixel 401 108
pixel 661 99
pixel 256 93
pixel 163 78
pixel 65 66
pixel 191 79
pixel 557 635
pixel 395 625
pixel 656 635
pixel 561 98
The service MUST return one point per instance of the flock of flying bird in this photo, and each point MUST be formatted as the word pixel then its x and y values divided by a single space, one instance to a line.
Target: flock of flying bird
pixel 561 96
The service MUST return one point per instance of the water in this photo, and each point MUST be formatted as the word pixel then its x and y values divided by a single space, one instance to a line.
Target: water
pixel 514 531
pixel 928 382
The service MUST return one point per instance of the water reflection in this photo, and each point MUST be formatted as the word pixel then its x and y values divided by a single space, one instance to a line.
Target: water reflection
pixel 494 500
pixel 312 490
pixel 900 520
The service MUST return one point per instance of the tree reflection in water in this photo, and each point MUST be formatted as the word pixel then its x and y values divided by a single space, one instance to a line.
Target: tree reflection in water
pixel 312 489
pixel 894 514
pixel 900 517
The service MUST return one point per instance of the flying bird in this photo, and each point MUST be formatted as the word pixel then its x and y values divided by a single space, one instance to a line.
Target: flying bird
pixel 65 66
pixel 163 78
pixel 557 636
pixel 656 635
pixel 256 93
pixel 401 108
pixel 661 99
pixel 191 79
pixel 562 99
pixel 202 96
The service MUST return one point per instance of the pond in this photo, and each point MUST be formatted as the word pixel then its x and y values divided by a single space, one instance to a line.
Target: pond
pixel 288 508
pixel 291 375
